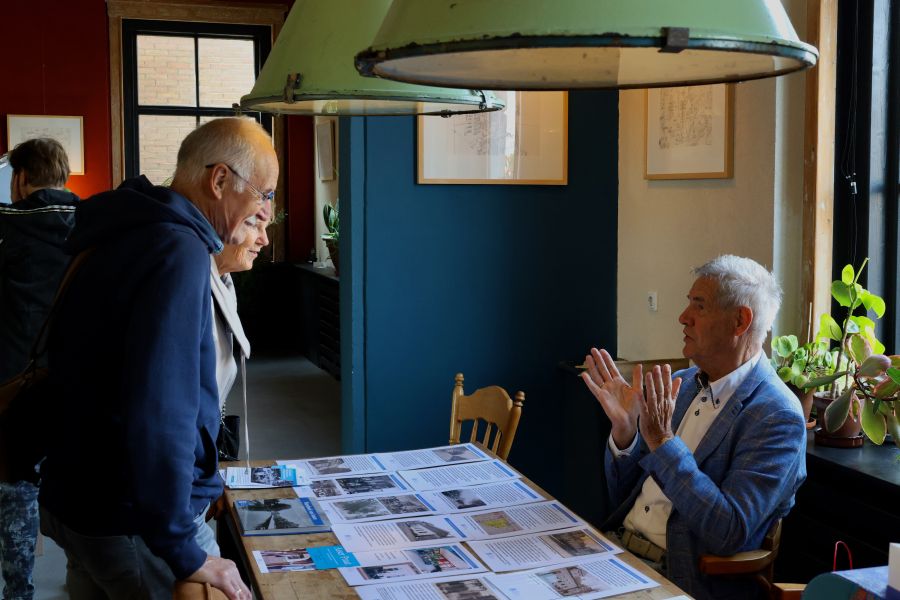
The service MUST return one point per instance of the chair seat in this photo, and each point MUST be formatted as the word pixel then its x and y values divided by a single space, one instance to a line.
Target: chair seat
pixel 738 564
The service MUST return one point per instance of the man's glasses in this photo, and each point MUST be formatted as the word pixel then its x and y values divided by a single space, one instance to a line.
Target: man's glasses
pixel 265 196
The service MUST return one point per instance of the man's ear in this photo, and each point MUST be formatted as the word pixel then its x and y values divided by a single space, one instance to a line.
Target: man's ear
pixel 216 181
pixel 743 320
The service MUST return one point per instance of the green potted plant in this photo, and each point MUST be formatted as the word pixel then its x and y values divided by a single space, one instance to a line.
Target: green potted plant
pixel 796 364
pixel 863 392
pixel 332 223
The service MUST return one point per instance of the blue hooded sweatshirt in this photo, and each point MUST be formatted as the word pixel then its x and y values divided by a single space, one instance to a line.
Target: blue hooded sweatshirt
pixel 132 361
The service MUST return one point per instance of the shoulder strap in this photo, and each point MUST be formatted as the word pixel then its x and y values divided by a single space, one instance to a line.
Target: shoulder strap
pixel 40 342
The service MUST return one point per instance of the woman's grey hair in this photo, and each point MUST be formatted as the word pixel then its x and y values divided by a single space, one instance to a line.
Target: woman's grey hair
pixel 223 140
pixel 745 282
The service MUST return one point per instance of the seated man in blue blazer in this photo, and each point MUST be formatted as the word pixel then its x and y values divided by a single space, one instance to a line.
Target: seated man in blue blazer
pixel 704 463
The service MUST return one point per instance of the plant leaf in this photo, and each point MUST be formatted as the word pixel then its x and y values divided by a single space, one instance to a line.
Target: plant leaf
pixel 785 345
pixel 825 380
pixel 863 321
pixel 847 275
pixel 837 411
pixel 841 292
pixel 829 327
pixel 873 423
pixel 874 303
pixel 858 348
pixel 893 425
pixel 785 373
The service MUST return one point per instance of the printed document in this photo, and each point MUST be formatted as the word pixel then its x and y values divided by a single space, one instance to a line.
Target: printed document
pixel 431 457
pixel 411 564
pixel 377 508
pixel 586 579
pixel 240 478
pixel 541 549
pixel 384 484
pixel 516 520
pixel 481 497
pixel 462 587
pixel 353 464
pixel 439 478
pixel 402 533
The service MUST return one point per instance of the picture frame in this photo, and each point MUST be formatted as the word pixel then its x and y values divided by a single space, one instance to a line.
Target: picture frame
pixel 524 144
pixel 689 132
pixel 67 130
pixel 325 149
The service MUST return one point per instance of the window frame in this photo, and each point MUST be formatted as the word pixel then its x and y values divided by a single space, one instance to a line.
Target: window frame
pixel 133 110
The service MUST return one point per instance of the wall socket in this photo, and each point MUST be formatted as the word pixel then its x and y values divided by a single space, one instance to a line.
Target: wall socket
pixel 651 301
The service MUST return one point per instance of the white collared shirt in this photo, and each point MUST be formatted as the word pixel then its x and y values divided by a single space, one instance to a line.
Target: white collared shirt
pixel 651 510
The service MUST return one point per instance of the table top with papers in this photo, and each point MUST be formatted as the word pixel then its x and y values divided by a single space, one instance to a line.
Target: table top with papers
pixel 329 583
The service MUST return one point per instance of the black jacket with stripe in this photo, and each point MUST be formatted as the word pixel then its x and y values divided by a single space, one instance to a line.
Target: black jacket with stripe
pixel 32 263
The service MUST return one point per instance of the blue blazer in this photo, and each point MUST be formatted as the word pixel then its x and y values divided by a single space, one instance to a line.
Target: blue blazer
pixel 726 495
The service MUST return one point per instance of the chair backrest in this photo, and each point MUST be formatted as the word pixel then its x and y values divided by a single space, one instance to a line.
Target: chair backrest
pixel 490 406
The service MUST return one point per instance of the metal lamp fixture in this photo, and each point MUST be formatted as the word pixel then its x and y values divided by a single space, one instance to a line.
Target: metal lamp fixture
pixel 571 44
pixel 310 69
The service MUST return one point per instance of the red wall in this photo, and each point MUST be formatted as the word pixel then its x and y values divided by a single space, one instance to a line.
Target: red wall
pixel 54 60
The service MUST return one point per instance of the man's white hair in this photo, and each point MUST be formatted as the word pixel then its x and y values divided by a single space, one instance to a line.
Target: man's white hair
pixel 228 140
pixel 744 282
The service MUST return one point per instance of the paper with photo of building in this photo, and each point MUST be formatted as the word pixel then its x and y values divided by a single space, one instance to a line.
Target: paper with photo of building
pixel 400 533
pixel 516 520
pixel 482 497
pixel 377 508
pixel 462 587
pixel 410 564
pixel 359 485
pixel 541 549
pixel 587 579
pixel 431 457
pixel 352 464
pixel 438 478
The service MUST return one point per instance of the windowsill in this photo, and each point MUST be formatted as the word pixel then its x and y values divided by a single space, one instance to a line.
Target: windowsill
pixel 877 462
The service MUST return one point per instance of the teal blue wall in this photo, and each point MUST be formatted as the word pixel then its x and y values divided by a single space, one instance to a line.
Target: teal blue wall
pixel 499 282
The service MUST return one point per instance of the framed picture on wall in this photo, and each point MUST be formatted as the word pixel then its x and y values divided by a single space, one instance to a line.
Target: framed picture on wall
pixel 68 131
pixel 689 132
pixel 526 143
pixel 325 149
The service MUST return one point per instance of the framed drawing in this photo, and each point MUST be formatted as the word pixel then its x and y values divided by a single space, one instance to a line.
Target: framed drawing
pixel 526 143
pixel 688 132
pixel 325 149
pixel 68 131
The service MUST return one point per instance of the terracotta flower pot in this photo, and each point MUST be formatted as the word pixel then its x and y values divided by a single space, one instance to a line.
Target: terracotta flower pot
pixel 851 427
pixel 332 246
pixel 806 403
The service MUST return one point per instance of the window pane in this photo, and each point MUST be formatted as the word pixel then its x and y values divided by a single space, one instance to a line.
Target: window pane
pixel 166 75
pixel 160 136
pixel 226 70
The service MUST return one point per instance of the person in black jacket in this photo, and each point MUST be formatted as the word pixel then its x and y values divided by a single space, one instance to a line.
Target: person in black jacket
pixel 32 262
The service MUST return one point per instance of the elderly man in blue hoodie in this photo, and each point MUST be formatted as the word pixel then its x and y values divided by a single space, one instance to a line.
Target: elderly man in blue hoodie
pixel 131 469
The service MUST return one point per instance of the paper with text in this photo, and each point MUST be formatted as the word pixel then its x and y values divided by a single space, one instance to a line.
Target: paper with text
pixel 388 566
pixel 541 549
pixel 401 533
pixel 438 478
pixel 446 588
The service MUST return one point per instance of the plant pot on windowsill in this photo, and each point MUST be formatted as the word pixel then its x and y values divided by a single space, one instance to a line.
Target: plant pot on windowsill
pixel 332 246
pixel 806 403
pixel 848 434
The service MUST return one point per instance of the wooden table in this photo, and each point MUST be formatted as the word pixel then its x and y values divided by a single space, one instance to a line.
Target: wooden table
pixel 329 583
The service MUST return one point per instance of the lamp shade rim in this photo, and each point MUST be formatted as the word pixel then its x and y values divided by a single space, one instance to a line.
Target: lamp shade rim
pixel 804 55
pixel 251 102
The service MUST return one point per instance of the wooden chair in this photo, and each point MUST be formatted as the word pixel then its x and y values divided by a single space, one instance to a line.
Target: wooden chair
pixel 188 590
pixel 491 405
pixel 758 565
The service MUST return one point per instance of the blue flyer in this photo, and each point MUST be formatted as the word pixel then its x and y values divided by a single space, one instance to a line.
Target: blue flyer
pixel 332 557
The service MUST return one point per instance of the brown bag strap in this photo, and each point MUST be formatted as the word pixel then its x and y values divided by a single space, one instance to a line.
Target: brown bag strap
pixel 39 346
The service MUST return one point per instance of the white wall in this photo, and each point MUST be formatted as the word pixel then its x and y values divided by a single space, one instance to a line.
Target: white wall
pixel 325 191
pixel 668 227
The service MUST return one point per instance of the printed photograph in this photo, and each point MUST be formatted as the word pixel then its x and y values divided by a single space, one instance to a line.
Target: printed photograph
pixel 575 543
pixel 455 454
pixel 400 505
pixel 421 531
pixel 572 581
pixel 329 466
pixel 281 561
pixel 324 488
pixel 439 559
pixel 464 498
pixel 469 589
pixel 271 476
pixel 268 513
pixel 496 523
pixel 366 485
pixel 388 571
pixel 361 508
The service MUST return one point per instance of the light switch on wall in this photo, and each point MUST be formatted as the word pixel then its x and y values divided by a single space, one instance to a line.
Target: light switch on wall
pixel 651 301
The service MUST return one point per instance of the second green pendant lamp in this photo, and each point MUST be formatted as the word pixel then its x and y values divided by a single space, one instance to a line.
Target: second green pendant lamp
pixel 310 69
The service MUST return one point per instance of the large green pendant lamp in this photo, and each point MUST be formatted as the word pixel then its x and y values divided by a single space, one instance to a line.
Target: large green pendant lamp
pixel 571 44
pixel 310 69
